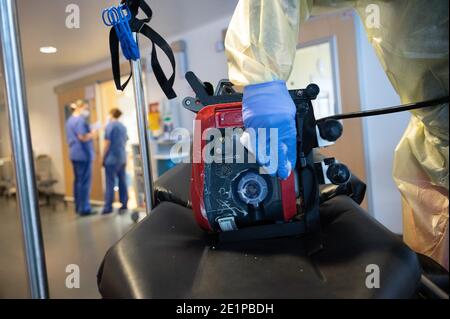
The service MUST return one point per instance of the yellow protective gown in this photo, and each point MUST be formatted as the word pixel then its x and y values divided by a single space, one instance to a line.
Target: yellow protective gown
pixel 411 42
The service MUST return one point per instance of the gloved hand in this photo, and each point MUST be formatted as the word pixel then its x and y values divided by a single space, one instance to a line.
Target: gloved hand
pixel 265 106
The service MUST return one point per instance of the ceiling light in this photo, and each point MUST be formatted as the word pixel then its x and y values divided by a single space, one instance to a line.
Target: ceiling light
pixel 48 50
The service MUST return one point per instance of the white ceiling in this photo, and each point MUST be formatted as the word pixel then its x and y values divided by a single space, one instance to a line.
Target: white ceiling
pixel 42 23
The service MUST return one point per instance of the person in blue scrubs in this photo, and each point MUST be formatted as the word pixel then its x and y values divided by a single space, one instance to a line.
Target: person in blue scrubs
pixel 114 161
pixel 81 149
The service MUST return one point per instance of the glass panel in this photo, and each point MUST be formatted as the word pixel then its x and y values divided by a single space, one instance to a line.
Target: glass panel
pixel 315 64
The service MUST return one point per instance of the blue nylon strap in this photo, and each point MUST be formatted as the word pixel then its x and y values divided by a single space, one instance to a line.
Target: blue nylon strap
pixel 119 18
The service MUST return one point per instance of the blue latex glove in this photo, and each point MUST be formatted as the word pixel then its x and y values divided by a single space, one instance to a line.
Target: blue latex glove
pixel 269 105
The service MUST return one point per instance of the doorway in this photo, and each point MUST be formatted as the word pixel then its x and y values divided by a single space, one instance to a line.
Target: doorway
pixel 64 100
pixel 109 98
pixel 326 54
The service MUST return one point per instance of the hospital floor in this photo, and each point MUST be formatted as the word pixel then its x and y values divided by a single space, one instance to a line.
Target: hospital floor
pixel 68 240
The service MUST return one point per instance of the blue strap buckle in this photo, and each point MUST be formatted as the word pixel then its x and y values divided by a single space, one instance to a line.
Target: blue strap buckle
pixel 119 18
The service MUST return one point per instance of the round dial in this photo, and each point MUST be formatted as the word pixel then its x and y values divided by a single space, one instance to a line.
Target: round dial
pixel 252 189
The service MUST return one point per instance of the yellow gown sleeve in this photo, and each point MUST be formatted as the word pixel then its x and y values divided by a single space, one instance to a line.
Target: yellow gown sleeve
pixel 411 43
pixel 262 39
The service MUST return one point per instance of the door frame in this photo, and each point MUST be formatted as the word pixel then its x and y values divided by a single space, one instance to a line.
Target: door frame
pixel 340 27
pixel 331 40
pixel 64 98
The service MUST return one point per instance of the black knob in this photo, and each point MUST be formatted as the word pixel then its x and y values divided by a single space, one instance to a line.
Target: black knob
pixel 209 88
pixel 338 174
pixel 312 91
pixel 330 130
pixel 329 161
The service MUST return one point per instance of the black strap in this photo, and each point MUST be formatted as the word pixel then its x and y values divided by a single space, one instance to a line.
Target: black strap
pixel 157 41
pixel 136 4
pixel 141 26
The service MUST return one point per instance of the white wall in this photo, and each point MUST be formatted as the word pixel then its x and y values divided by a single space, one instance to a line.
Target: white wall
pixel 4 126
pixel 45 128
pixel 4 132
pixel 381 134
pixel 202 58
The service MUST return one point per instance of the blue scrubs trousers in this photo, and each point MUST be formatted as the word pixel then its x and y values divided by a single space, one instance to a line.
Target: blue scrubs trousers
pixel 82 185
pixel 111 172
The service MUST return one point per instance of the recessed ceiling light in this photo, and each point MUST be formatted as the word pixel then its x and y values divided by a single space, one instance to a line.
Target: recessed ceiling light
pixel 48 50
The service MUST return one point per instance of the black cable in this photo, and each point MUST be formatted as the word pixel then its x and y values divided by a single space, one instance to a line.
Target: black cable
pixel 387 110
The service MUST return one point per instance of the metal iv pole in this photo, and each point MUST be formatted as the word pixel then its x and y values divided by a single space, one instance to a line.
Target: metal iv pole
pixel 141 113
pixel 22 149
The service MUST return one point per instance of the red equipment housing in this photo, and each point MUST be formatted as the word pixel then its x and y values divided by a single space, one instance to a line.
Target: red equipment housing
pixel 226 116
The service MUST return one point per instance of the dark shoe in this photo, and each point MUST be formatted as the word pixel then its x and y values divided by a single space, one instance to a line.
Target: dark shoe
pixel 106 212
pixel 123 210
pixel 88 213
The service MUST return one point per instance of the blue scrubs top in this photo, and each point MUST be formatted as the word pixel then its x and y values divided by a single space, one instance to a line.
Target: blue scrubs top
pixel 79 151
pixel 116 134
